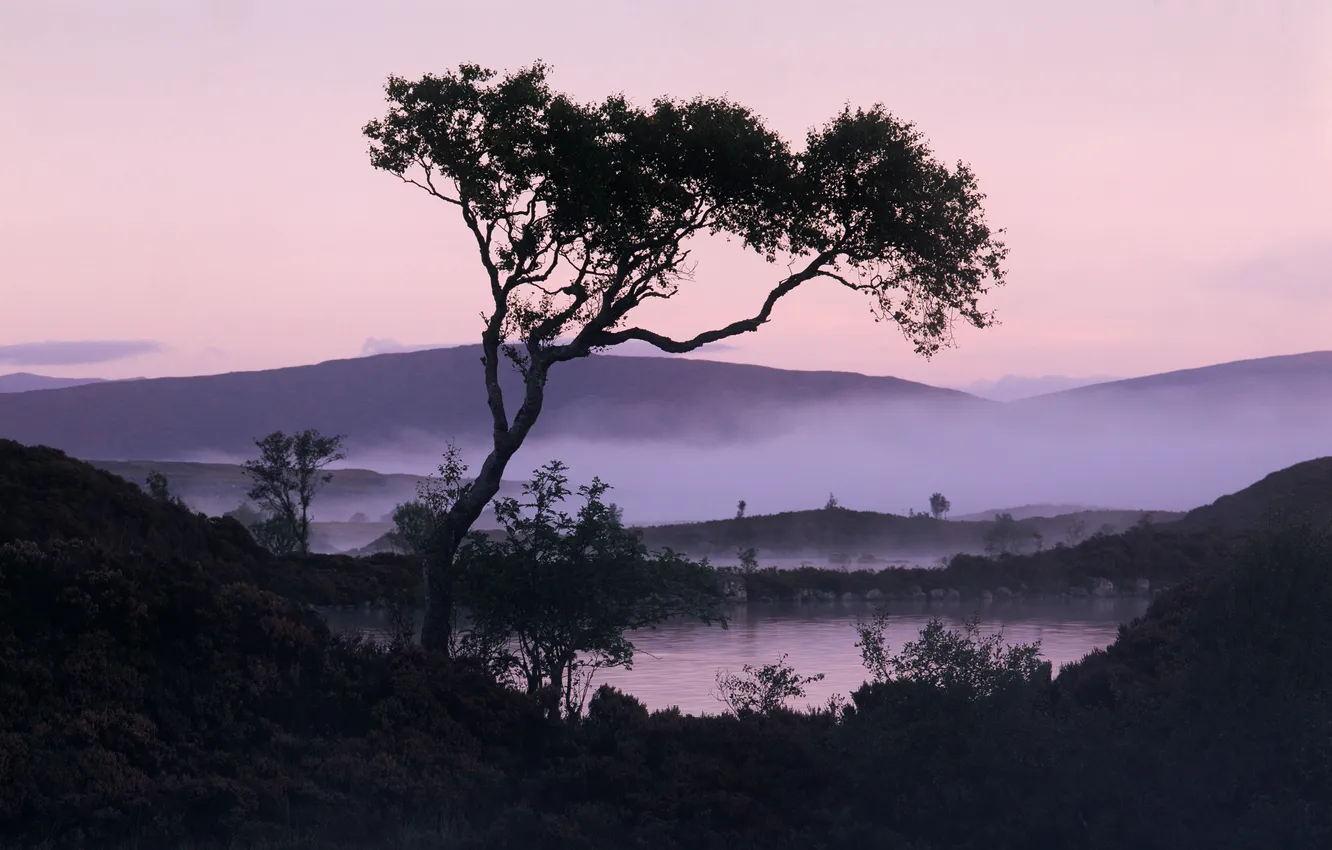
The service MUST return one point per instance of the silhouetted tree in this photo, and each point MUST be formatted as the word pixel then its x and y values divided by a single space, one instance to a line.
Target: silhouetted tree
pixel 832 503
pixel 160 490
pixel 1005 536
pixel 553 599
pixel 581 213
pixel 939 506
pixel 288 473
pixel 740 509
pixel 761 690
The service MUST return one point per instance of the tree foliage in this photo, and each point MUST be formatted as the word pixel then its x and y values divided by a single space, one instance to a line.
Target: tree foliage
pixel 962 661
pixel 288 473
pixel 939 506
pixel 557 596
pixel 762 690
pixel 583 212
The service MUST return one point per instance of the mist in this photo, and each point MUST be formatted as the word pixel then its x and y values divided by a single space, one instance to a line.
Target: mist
pixel 1160 452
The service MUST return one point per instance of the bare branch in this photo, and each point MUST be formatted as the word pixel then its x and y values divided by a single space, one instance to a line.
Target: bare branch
pixel 812 270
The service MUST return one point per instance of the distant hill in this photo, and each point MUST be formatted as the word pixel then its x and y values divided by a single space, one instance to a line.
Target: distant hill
pixel 1024 512
pixel 1295 377
pixel 1299 492
pixel 819 534
pixel 215 488
pixel 22 382
pixel 440 393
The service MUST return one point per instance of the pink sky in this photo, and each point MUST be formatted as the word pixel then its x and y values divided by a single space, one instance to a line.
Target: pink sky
pixel 193 173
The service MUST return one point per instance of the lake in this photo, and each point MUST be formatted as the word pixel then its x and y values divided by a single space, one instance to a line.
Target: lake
pixel 677 663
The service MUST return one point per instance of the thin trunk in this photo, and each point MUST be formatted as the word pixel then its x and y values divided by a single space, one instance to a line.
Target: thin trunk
pixel 437 630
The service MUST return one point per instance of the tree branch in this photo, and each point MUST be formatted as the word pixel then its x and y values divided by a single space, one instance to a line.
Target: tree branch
pixel 814 269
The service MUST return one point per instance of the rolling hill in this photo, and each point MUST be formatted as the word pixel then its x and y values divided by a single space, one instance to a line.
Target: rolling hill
pixel 1302 492
pixel 437 393
pixel 1294 378
pixel 22 382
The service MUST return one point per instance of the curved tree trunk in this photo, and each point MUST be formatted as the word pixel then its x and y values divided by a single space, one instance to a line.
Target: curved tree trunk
pixel 441 577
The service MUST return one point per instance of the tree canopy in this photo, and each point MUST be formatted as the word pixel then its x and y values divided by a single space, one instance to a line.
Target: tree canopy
pixel 583 212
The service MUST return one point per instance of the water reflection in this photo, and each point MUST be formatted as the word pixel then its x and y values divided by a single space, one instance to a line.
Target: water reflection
pixel 676 664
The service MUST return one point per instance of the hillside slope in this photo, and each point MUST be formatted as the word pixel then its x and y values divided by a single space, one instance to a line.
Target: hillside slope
pixel 1297 493
pixel 440 393
pixel 216 488
pixel 22 382
pixel 1300 378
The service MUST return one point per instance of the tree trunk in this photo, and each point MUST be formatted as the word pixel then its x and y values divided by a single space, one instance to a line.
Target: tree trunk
pixel 441 583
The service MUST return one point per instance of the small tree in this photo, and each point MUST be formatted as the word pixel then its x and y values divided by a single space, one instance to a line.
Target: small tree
pixel 963 661
pixel 581 213
pixel 288 473
pixel 762 690
pixel 160 490
pixel 555 597
pixel 1005 536
pixel 413 527
pixel 832 503
pixel 740 509
pixel 939 506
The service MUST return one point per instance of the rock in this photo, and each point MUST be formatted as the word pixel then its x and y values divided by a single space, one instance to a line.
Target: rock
pixel 848 597
pixel 1102 588
pixel 937 593
pixel 953 595
pixel 1003 593
pixel 873 595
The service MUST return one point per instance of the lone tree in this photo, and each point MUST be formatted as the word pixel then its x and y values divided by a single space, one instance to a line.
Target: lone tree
pixel 583 212
pixel 288 473
pixel 939 506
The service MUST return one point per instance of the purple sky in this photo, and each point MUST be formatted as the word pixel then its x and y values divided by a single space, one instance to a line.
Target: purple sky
pixel 188 180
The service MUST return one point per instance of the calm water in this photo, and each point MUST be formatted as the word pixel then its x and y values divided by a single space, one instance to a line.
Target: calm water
pixel 677 664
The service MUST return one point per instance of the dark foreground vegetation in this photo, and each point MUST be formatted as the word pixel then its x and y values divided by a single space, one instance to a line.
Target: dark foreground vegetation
pixel 154 694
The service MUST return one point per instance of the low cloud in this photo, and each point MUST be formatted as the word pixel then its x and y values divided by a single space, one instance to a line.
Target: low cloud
pixel 75 352
pixel 373 346
pixel 1015 387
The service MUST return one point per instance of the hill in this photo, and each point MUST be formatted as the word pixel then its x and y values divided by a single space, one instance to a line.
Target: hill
pixel 390 398
pixel 215 488
pixel 1297 378
pixel 22 382
pixel 1300 492
pixel 867 537
pixel 47 497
